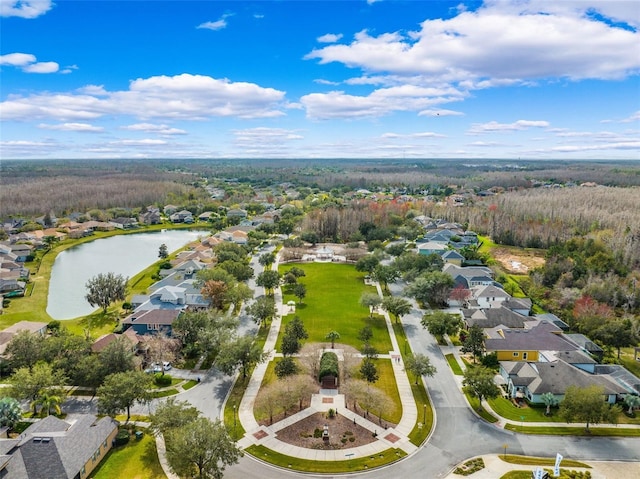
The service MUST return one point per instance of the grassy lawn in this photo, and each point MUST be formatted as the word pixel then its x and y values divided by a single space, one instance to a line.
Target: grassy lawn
pixel 423 427
pixel 329 467
pixel 626 359
pixel 453 364
pixel 564 474
pixel 162 394
pixel 475 404
pixel 574 431
pixel 508 410
pixel 189 384
pixel 138 459
pixel 333 303
pixel 387 383
pixel 540 461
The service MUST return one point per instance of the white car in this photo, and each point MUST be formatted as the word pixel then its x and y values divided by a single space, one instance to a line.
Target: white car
pixel 167 365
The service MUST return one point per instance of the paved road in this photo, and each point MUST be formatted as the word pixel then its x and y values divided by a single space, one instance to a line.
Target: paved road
pixel 458 433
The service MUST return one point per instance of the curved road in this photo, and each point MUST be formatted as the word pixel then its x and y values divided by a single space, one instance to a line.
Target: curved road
pixel 458 433
pixel 457 436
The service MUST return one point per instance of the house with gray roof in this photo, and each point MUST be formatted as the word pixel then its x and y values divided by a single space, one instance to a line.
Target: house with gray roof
pixel 55 449
pixel 531 380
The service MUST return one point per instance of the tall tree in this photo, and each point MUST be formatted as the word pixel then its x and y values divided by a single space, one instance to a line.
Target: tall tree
pixel 396 306
pixel 631 401
pixel 587 405
pixel 106 288
pixel 203 445
pixel 286 367
pixel 163 251
pixel 369 371
pixel 49 399
pixel 267 259
pixel 24 349
pixel 420 365
pixel 10 412
pixel 367 263
pixel 365 334
pixel 161 348
pixel 385 274
pixel 371 301
pixel 269 280
pixel 431 288
pixel 118 356
pixel 478 380
pixel 474 342
pixel 332 336
pixel 172 414
pixel 616 334
pixel 550 400
pixel 215 292
pixel 28 384
pixel 240 353
pixel 299 290
pixel 440 323
pixel 120 391
pixel 262 309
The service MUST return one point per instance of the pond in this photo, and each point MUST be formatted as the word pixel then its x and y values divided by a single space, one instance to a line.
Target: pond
pixel 124 254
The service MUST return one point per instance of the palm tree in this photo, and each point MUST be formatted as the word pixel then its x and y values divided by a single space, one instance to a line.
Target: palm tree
pixel 332 336
pixel 550 401
pixel 632 402
pixel 48 400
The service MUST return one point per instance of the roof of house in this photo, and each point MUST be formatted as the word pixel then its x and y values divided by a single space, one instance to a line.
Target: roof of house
pixel 518 303
pixel 467 271
pixel 55 449
pixel 152 316
pixel 451 254
pixel 31 326
pixel 489 291
pixel 555 377
pixel 492 317
pixel 106 339
pixel 541 337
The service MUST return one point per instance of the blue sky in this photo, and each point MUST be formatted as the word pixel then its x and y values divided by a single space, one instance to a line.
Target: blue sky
pixel 530 79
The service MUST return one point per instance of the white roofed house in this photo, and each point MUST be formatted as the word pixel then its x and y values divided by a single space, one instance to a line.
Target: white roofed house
pixel 489 296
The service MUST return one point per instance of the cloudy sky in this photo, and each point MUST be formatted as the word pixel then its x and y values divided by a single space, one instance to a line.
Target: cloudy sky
pixel 530 79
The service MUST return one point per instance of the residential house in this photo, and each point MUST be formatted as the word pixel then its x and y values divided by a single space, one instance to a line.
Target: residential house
pixel 55 449
pixel 453 257
pixel 467 271
pixel 489 296
pixel 494 317
pixel 183 216
pixel 169 209
pixel 151 216
pixel 518 344
pixel 22 251
pixel 185 269
pixel 237 213
pixel 151 321
pixel 106 339
pixel 531 380
pixel 207 215
pixel 7 334
pixel 519 305
pixel 169 297
pixel 431 247
pixel 123 223
pixel 585 344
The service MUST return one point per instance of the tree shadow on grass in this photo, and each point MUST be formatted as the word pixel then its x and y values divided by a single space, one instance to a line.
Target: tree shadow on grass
pixel 150 460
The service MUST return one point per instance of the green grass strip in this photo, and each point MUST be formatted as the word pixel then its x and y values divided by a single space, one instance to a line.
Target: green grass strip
pixel 330 467
pixel 162 394
pixel 189 384
pixel 453 364
pixel 540 461
pixel 475 404
pixel 575 431
pixel 136 459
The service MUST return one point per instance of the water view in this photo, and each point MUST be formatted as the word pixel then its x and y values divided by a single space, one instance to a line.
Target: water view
pixel 126 255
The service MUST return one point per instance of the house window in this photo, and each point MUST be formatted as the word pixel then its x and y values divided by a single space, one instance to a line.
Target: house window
pixel 524 355
pixel 83 471
pixel 149 326
pixel 516 354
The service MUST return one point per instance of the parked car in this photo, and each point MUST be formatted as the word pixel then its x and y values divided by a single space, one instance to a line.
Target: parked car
pixel 167 365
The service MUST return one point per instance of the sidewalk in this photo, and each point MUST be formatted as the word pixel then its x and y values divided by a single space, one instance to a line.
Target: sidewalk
pixel 396 437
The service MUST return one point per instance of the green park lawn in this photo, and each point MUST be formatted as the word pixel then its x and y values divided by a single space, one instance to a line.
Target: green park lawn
pixel 333 304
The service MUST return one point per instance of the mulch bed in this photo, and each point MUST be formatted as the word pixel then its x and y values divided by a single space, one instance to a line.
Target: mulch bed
pixel 343 434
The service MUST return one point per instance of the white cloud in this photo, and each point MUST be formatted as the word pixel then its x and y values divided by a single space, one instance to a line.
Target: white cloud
pixel 218 24
pixel 79 127
pixel 17 59
pixel 189 97
pixel 28 63
pixel 494 126
pixel 41 67
pixel 440 112
pixel 258 15
pixel 151 128
pixel 337 104
pixel 24 8
pixel 145 142
pixel 321 81
pixel 424 134
pixel 630 145
pixel 503 41
pixel 330 38
pixel 262 136
pixel 634 117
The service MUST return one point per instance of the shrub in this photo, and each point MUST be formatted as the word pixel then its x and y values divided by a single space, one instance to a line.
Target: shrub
pixel 490 360
pixel 162 380
pixel 317 433
pixel 328 365
pixel 122 437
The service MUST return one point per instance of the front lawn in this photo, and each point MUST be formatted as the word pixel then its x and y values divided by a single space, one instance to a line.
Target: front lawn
pixel 333 304
pixel 138 459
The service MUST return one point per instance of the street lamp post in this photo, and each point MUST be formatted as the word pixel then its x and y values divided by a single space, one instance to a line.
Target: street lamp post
pixel 505 450
pixel 424 416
